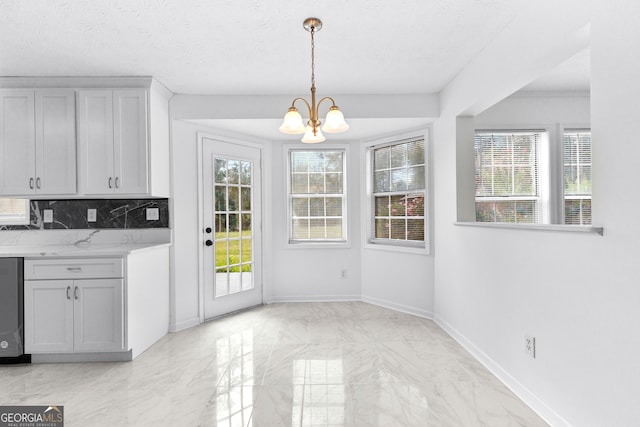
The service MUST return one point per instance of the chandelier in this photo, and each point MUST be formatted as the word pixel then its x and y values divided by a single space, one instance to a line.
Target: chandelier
pixel 334 122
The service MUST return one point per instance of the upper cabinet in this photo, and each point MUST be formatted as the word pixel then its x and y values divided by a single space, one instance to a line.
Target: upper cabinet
pixel 123 142
pixel 37 142
pixel 122 147
pixel 113 141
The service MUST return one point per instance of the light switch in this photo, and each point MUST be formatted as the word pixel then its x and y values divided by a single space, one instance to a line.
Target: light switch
pixel 48 215
pixel 91 215
pixel 153 214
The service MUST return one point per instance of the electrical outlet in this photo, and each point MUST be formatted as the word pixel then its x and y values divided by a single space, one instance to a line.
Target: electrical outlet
pixel 91 215
pixel 48 215
pixel 153 214
pixel 530 345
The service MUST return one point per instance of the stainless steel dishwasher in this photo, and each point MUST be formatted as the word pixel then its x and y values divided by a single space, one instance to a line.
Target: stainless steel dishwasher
pixel 12 311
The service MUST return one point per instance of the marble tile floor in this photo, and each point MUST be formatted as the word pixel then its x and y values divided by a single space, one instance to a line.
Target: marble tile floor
pixel 298 364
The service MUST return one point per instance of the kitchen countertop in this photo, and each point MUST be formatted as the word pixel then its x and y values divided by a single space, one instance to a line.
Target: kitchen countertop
pixel 68 251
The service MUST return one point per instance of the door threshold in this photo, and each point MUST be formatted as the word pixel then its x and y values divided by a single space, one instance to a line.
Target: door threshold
pixel 231 313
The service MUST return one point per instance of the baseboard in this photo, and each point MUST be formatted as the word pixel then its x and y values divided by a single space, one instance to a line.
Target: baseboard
pixel 397 307
pixel 312 298
pixel 185 324
pixel 535 403
pixel 116 356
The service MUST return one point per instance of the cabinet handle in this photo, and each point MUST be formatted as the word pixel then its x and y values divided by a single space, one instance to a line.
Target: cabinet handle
pixel 75 292
pixel 38 183
pixel 117 182
pixel 110 182
pixel 68 289
pixel 31 183
pixel 74 269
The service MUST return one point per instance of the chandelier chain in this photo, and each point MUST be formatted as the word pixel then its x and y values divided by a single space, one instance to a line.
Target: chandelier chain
pixel 313 57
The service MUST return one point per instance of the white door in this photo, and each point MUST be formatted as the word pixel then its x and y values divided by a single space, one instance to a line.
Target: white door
pixel 95 141
pixel 231 184
pixel 55 141
pixel 48 316
pixel 130 146
pixel 98 315
pixel 17 142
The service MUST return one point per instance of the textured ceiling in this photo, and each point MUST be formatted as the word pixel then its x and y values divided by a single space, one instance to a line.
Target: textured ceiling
pixel 251 46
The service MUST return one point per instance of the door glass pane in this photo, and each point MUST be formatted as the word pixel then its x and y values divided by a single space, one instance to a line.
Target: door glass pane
pixel 233 174
pixel 220 172
pixel 245 173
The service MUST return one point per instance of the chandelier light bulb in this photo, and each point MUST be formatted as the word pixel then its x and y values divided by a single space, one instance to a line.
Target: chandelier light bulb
pixel 292 123
pixel 310 138
pixel 335 123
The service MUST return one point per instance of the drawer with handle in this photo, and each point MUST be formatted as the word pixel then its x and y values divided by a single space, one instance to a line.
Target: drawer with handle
pixel 81 268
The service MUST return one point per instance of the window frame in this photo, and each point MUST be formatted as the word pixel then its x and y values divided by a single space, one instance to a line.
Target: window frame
pixel 317 243
pixel 368 197
pixel 550 172
pixel 6 219
pixel 545 176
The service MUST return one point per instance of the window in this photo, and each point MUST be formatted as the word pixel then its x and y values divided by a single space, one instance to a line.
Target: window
pixel 398 192
pixel 317 196
pixel 517 180
pixel 576 149
pixel 507 176
pixel 14 211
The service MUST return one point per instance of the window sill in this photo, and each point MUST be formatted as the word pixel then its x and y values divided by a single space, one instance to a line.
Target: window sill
pixel 396 248
pixel 318 245
pixel 537 227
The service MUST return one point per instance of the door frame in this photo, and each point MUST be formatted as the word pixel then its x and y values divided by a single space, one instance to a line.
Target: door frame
pixel 201 136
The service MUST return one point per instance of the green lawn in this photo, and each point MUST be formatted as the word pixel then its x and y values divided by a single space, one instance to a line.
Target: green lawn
pixel 235 257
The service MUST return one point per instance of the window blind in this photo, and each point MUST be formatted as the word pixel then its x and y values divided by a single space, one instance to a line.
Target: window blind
pixel 507 176
pixel 399 191
pixel 576 144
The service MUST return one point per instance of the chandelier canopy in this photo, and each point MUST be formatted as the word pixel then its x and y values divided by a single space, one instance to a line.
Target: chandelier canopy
pixel 334 121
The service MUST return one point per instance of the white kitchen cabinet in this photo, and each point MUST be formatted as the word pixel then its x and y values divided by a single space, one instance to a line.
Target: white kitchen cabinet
pixel 96 308
pixel 113 141
pixel 37 142
pixel 48 315
pixel 74 313
pixel 123 142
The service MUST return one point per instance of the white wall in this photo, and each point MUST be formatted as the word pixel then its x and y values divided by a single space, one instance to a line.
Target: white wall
pixel 314 273
pixel 576 293
pixel 291 273
pixel 184 256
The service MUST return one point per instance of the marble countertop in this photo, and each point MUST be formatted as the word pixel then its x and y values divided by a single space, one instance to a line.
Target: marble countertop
pixel 82 250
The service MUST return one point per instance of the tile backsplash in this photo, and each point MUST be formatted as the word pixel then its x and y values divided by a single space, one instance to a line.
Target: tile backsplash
pixel 110 214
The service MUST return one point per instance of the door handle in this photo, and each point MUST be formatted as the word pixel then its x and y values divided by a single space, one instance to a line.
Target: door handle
pixel 68 289
pixel 78 269
pixel 208 230
pixel 31 183
pixel 117 183
pixel 110 182
pixel 208 243
pixel 38 182
pixel 75 293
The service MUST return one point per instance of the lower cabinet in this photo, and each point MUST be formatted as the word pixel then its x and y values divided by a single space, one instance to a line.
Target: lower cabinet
pixel 100 308
pixel 64 316
pixel 74 305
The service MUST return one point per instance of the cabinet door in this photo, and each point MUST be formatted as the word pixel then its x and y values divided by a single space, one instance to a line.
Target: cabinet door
pixel 98 315
pixel 55 141
pixel 48 316
pixel 17 142
pixel 95 141
pixel 130 142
